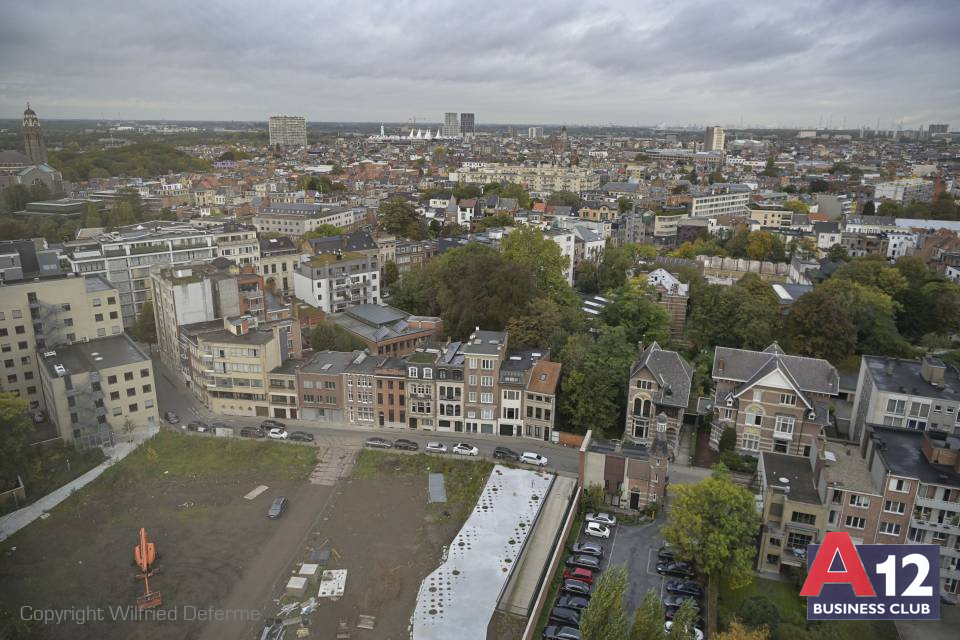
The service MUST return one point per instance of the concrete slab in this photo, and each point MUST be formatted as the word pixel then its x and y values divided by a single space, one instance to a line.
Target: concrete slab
pixel 257 491
pixel 437 488
pixel 458 599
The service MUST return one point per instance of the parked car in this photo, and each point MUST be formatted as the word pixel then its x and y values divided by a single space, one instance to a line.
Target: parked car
pixel 171 417
pixel 301 436
pixel 667 553
pixel 576 588
pixel 558 632
pixel 578 573
pixel 588 548
pixel 38 416
pixel 587 562
pixel 196 426
pixel 676 600
pixel 597 530
pixel 529 457
pixel 278 433
pixel 252 432
pixel 697 634
pixel 436 447
pixel 272 424
pixel 685 587
pixel 378 443
pixel 578 603
pixel 674 568
pixel 503 453
pixel 406 445
pixel 669 613
pixel 203 427
pixel 277 508
pixel 569 617
pixel 602 518
pixel 461 449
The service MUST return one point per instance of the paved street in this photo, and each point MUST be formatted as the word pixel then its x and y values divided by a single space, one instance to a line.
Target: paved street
pixel 636 547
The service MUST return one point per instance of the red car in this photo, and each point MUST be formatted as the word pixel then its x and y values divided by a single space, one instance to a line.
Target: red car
pixel 583 575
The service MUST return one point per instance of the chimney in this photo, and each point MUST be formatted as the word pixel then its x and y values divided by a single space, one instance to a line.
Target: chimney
pixel 932 370
pixel 720 365
pixel 888 367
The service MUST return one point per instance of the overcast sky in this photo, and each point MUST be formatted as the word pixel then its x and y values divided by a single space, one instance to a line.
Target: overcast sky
pixel 772 62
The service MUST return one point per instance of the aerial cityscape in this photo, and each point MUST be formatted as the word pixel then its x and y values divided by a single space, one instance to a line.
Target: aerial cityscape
pixel 598 323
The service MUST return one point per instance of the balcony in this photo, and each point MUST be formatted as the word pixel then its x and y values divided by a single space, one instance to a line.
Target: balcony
pixel 938 504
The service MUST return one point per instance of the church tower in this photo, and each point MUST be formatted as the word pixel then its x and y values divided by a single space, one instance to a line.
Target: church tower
pixel 33 137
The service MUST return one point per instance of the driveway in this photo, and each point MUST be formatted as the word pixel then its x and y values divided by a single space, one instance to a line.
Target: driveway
pixel 636 547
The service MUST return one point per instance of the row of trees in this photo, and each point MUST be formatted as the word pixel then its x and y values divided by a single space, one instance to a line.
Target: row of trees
pixel 143 160
pixel 753 245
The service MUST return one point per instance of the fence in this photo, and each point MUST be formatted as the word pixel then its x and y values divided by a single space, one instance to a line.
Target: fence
pixel 14 497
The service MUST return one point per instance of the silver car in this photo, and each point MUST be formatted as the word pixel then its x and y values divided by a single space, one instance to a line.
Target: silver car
pixel 277 508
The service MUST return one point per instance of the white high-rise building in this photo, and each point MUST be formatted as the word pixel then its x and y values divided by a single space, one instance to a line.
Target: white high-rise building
pixel 535 133
pixel 713 139
pixel 451 125
pixel 288 131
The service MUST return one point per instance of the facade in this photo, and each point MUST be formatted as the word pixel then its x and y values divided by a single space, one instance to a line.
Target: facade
pixel 921 395
pixel 97 388
pixel 33 144
pixel 673 296
pixel 771 216
pixel 39 314
pixel 657 397
pixel 451 126
pixel 713 139
pixel 386 330
pixel 278 259
pixel 535 133
pixel 468 125
pixel 334 282
pixel 718 200
pixel 905 191
pixel 541 178
pixel 296 219
pixel 775 402
pixel 288 131
pixel 632 476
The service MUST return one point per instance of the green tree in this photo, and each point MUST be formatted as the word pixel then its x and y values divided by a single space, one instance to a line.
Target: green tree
pixel 322 231
pixel 121 215
pixel 397 216
pixel 145 330
pixel 624 204
pixel 873 271
pixel 771 169
pixel 869 209
pixel 414 293
pixel 838 253
pixel 564 198
pixel 890 208
pixel 797 206
pixel 491 222
pixel 16 432
pixel 594 382
pixel 327 336
pixel 684 621
pixel 391 273
pixel 763 245
pixel 91 216
pixel 714 522
pixel 40 192
pixel 648 619
pixel 642 319
pixel 467 191
pixel 526 246
pixel 15 198
pixel 605 618
pixel 737 631
pixel 540 327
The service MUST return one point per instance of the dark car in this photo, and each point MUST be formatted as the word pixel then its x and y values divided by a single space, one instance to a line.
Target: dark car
pixel 569 617
pixel 587 562
pixel 578 603
pixel 503 453
pixel 676 600
pixel 378 443
pixel 196 426
pixel 277 508
pixel 666 553
pixel 300 436
pixel 576 588
pixel 406 445
pixel 682 569
pixel 588 549
pixel 669 613
pixel 685 587
pixel 272 424
pixel 557 632
pixel 171 417
pixel 252 432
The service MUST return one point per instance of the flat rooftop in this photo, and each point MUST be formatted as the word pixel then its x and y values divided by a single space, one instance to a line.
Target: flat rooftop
pixel 458 599
pixel 782 470
pixel 902 453
pixel 904 377
pixel 849 469
pixel 96 355
pixel 325 259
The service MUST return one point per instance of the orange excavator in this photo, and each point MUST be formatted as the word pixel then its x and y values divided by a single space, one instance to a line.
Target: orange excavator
pixel 145 555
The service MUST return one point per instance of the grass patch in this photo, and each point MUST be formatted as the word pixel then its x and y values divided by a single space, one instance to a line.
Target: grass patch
pixel 175 455
pixel 463 479
pixel 51 466
pixel 557 579
pixel 792 610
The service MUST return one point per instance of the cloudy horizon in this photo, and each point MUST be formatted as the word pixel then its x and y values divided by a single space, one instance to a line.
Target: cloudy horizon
pixel 577 62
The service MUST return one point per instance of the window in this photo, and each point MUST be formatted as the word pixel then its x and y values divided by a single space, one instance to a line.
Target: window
pixel 754 416
pixel 111 379
pixel 645 384
pixel 472 381
pixel 472 363
pixel 486 364
pixel 896 406
pixel 412 372
pixel 131 392
pixel 114 395
pixel 128 376
pixel 901 486
pixel 133 407
pixel 788 399
pixel 889 529
pixel 486 381
pixel 751 442
pixel 892 506
pixel 784 427
pixel 148 404
pixel 144 373
pixel 97 302
pixel 803 518
pixel 757 395
pixel 486 398
pixel 855 522
pixel 428 374
pixel 113 315
pixel 117 411
pixel 857 500
pixel 147 388
pixel 98 317
pixel 472 396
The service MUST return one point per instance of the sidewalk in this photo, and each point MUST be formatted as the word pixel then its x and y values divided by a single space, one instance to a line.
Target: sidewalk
pixel 13 522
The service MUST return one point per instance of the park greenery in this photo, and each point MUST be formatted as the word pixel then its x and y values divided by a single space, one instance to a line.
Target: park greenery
pixel 140 160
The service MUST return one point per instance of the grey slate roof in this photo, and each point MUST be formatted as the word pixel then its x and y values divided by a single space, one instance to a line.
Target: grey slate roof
pixel 672 372
pixel 812 375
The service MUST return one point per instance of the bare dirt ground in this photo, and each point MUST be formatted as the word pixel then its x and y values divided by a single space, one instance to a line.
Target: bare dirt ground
pixel 188 493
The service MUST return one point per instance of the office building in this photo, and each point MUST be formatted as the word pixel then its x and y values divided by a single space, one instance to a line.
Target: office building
pixel 468 125
pixel 451 125
pixel 535 133
pixel 539 179
pixel 296 219
pixel 720 200
pixel 905 191
pixel 713 139
pixel 332 282
pixel 288 131
pixel 97 389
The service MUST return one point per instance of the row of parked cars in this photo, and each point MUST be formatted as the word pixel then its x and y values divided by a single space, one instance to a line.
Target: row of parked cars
pixel 583 567
pixel 679 589
pixel 275 431
pixel 458 449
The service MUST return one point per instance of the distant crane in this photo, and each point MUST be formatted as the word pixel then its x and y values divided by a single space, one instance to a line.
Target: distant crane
pixel 145 556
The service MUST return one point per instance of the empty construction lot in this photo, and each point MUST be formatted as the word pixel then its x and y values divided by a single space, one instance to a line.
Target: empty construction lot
pixel 219 550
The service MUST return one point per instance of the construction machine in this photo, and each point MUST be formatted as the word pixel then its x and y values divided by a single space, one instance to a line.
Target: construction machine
pixel 145 556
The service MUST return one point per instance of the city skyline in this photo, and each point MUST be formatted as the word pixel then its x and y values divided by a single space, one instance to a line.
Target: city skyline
pixel 689 62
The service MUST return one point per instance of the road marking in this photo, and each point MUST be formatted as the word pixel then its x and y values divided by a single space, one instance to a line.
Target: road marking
pixel 253 494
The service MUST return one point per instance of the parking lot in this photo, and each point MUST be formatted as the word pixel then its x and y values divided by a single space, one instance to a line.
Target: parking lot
pixel 635 546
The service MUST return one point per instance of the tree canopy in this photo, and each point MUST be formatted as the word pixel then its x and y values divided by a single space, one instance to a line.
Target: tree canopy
pixel 397 216
pixel 605 618
pixel 143 160
pixel 16 429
